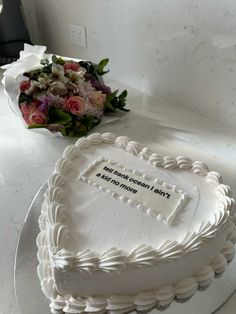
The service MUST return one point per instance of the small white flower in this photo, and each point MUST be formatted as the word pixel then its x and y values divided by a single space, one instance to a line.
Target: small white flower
pixel 58 88
pixel 42 83
pixel 58 72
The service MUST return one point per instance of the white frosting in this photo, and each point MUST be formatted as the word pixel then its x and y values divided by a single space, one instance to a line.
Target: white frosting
pixel 58 235
pixel 219 264
pixel 143 256
pixel 58 304
pixel 142 301
pixel 156 197
pixel 205 276
pixel 193 240
pixel 112 260
pixel 85 261
pixel 164 296
pixel 56 213
pixel 186 287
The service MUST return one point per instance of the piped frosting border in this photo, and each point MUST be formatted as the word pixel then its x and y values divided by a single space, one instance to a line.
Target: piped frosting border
pixel 142 301
pixel 142 256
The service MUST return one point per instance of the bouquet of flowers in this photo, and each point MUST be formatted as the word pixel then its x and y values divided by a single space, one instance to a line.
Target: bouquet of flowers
pixel 67 96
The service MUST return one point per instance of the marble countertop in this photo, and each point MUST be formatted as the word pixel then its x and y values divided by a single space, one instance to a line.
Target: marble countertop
pixel 27 158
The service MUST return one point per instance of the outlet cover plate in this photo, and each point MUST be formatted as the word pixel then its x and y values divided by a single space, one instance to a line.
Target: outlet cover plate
pixel 78 35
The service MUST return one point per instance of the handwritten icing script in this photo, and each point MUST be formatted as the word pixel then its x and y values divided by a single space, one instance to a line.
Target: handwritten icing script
pixel 155 196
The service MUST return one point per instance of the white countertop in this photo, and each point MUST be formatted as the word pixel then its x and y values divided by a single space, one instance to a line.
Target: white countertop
pixel 27 159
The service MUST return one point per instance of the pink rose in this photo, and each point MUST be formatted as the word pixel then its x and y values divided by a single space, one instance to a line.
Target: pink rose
pixel 98 99
pixel 31 114
pixel 38 117
pixel 24 85
pixel 25 112
pixel 71 66
pixel 75 104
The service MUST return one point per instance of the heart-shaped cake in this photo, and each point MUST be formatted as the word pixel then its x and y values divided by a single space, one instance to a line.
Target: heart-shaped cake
pixel 124 228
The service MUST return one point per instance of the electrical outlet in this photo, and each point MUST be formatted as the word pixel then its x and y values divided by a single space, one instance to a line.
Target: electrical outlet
pixel 77 35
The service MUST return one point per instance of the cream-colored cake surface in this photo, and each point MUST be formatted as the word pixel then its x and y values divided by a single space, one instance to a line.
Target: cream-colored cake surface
pixel 124 228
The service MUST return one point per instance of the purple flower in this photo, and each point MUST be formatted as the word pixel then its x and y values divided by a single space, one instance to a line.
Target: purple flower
pixel 56 101
pixel 43 107
pixel 50 100
pixel 105 89
pixel 92 111
pixel 98 84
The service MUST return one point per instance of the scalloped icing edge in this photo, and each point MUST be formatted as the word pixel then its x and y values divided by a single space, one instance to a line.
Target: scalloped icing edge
pixel 60 304
pixel 126 303
pixel 206 230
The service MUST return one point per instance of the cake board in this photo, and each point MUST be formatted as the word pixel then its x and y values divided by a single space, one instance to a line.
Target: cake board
pixel 30 298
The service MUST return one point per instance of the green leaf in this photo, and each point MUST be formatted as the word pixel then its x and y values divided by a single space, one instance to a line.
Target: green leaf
pixel 47 69
pixel 114 102
pixel 93 69
pixel 101 66
pixel 24 98
pixel 54 59
pixel 44 62
pixel 90 68
pixel 123 96
pixel 27 74
pixel 70 130
pixel 80 127
pixel 37 126
pixel 35 74
pixel 103 63
pixel 108 107
pixel 58 116
pixel 112 95
pixel 58 60
pixel 90 121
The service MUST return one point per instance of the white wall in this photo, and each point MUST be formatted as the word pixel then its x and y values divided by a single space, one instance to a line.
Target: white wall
pixel 181 50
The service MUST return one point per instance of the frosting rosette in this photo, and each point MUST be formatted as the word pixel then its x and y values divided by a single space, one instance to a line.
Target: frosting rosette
pixel 67 97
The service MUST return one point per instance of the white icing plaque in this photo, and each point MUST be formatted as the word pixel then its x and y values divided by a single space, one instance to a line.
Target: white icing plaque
pixel 154 196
